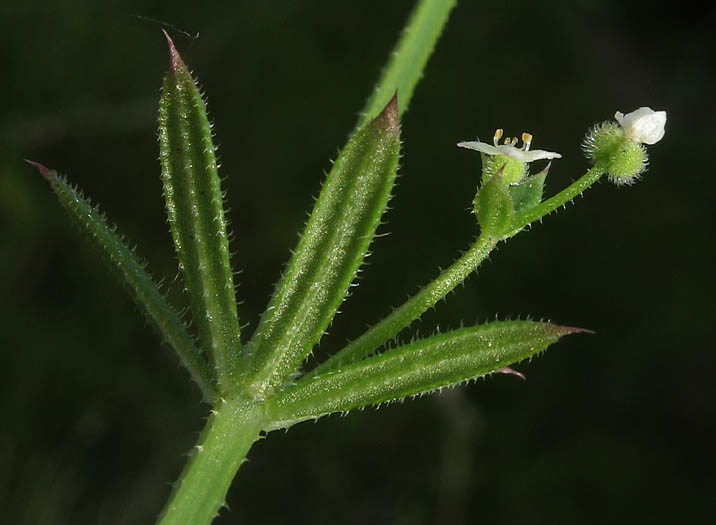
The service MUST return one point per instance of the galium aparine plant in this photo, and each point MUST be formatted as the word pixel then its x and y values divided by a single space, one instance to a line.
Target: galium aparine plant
pixel 257 385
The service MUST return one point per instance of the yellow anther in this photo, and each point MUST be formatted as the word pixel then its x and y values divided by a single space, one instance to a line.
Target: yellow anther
pixel 526 141
pixel 497 137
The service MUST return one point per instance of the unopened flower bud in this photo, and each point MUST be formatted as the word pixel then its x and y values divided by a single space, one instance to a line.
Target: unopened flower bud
pixel 644 126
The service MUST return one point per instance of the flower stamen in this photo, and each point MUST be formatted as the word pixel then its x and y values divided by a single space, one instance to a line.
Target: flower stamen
pixel 497 137
pixel 508 149
pixel 526 141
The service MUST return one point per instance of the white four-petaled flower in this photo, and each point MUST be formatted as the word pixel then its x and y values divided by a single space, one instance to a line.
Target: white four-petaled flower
pixel 643 126
pixel 508 149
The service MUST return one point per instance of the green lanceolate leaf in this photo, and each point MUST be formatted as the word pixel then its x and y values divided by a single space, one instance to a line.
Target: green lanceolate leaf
pixel 417 368
pixel 411 54
pixel 192 190
pixel 134 276
pixel 331 249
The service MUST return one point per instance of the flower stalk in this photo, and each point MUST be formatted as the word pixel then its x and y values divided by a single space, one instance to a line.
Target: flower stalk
pixel 527 217
pixel 412 309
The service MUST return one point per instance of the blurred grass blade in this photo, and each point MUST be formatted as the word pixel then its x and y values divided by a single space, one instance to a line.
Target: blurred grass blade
pixel 331 249
pixel 408 59
pixel 192 190
pixel 417 368
pixel 134 275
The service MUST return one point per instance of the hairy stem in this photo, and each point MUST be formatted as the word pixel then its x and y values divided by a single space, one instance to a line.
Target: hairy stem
pixel 412 309
pixel 222 447
pixel 449 279
pixel 563 197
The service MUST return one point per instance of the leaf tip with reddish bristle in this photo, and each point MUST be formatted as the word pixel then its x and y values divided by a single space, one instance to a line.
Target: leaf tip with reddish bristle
pixel 388 118
pixel 511 371
pixel 568 330
pixel 46 172
pixel 175 60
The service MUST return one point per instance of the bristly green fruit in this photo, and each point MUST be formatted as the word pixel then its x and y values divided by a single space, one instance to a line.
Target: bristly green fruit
pixel 624 160
pixel 512 170
pixel 493 207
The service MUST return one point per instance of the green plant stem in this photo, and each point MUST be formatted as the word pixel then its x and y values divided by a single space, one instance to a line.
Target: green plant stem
pixel 412 309
pixel 563 197
pixel 222 447
pixel 408 59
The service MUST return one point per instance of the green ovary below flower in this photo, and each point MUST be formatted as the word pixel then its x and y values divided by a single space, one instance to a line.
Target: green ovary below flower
pixel 619 146
pixel 511 159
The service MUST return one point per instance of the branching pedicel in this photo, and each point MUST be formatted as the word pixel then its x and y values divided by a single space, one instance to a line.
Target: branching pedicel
pixel 259 386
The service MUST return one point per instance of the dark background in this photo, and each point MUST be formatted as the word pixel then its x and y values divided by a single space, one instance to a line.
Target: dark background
pixel 616 427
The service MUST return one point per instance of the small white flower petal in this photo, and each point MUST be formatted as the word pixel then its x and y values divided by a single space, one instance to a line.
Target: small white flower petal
pixel 644 125
pixel 528 156
pixel 510 151
pixel 482 147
